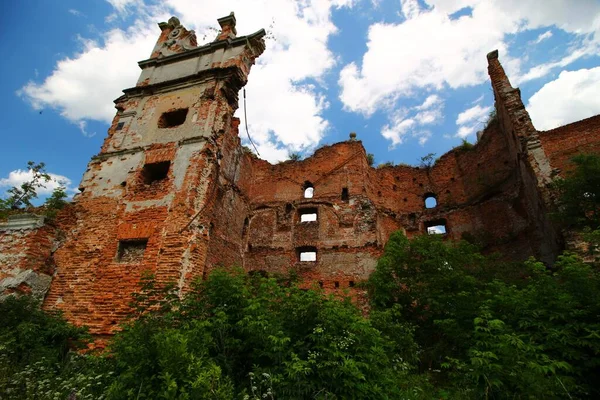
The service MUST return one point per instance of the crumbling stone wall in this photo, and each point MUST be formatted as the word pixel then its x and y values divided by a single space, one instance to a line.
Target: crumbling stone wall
pixel 26 245
pixel 477 190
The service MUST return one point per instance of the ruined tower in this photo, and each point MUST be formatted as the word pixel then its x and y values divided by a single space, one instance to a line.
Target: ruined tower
pixel 148 197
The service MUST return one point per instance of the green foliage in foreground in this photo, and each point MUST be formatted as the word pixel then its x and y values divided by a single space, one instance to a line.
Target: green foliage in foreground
pixel 533 337
pixel 445 323
pixel 578 194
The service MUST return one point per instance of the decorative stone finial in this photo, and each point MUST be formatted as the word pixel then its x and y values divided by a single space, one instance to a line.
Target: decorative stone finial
pixel 352 135
pixel 173 39
pixel 227 27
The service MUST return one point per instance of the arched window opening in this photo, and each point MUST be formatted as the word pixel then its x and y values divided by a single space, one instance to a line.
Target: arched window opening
pixel 309 190
pixel 430 200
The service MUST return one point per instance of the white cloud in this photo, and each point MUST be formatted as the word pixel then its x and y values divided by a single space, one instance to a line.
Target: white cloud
pixel 122 5
pixel 84 86
pixel 397 129
pixel 75 12
pixel 18 177
pixel 476 114
pixel 543 36
pixel 430 101
pixel 465 131
pixel 404 57
pixel 411 122
pixel 477 100
pixel 284 112
pixel 410 8
pixel 544 69
pixel 571 97
pixel 469 120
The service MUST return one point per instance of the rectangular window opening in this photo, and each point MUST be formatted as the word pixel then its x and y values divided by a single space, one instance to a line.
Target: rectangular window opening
pixel 131 251
pixel 155 172
pixel 436 227
pixel 120 126
pixel 308 214
pixel 345 195
pixel 173 118
pixel 307 254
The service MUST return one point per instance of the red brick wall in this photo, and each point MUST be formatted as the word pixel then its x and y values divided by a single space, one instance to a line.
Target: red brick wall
pixel 562 143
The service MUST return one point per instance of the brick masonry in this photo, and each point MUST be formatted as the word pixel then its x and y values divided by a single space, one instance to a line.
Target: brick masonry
pixel 173 192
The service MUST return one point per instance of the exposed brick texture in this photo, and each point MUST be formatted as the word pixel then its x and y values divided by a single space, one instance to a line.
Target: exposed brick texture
pixel 216 204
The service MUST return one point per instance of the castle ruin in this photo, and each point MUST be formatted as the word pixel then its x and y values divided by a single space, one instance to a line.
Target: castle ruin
pixel 173 192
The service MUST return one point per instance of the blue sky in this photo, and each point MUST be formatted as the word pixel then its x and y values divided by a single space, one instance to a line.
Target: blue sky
pixel 409 76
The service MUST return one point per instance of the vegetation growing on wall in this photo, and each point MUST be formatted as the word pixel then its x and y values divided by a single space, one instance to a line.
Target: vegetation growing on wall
pixel 21 197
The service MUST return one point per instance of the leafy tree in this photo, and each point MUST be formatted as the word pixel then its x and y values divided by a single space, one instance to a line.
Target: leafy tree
pixel 295 156
pixel 578 194
pixel 370 159
pixel 492 330
pixel 56 201
pixel 23 195
pixel 234 333
pixel 427 161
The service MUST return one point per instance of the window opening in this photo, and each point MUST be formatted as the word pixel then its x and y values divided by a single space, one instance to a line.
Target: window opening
pixel 345 195
pixel 155 172
pixel 120 126
pixel 351 283
pixel 131 250
pixel 173 118
pixel 321 284
pixel 438 227
pixel 309 190
pixel 245 226
pixel 337 284
pixel 308 214
pixel 307 254
pixel 430 200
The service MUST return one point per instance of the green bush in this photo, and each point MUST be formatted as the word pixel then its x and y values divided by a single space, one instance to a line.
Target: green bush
pixel 534 337
pixel 35 357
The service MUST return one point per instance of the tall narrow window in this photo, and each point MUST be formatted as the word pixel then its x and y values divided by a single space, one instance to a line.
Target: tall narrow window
pixel 345 195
